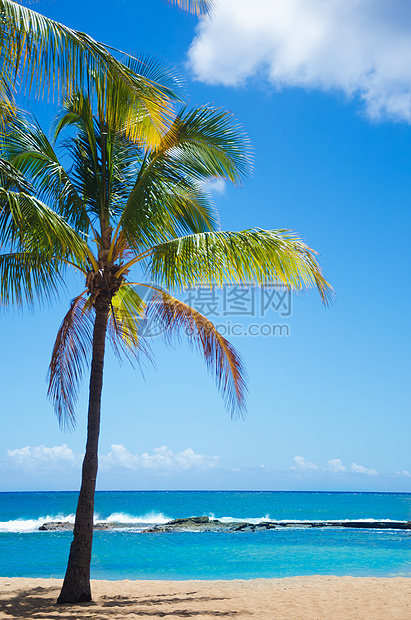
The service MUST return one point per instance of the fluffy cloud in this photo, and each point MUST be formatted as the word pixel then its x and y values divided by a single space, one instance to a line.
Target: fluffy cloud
pixel 42 457
pixel 301 464
pixel 162 459
pixel 359 469
pixel 335 465
pixel 360 47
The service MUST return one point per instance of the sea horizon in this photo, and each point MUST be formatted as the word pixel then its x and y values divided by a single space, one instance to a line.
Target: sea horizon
pixel 206 491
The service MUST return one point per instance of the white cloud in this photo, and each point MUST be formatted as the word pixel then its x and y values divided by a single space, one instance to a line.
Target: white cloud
pixel 360 47
pixel 163 459
pixel 335 465
pixel 359 469
pixel 301 464
pixel 214 186
pixel 120 457
pixel 42 457
pixel 404 473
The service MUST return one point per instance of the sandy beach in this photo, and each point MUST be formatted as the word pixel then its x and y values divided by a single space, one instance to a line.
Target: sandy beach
pixel 294 598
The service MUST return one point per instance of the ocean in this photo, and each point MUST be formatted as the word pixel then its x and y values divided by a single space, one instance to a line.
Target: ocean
pixel 129 554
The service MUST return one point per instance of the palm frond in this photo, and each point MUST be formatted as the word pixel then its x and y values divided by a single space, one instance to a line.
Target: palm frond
pixel 7 101
pixel 124 325
pixel 12 178
pixel 105 161
pixel 201 144
pixel 206 143
pixel 163 210
pixel 36 48
pixel 140 115
pixel 27 276
pixel 123 110
pixel 156 70
pixel 29 150
pixel 198 7
pixel 71 355
pixel 121 252
pixel 224 362
pixel 260 257
pixel 34 226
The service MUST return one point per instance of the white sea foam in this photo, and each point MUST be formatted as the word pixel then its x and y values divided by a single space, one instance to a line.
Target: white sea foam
pixel 151 518
pixel 31 525
pixel 254 520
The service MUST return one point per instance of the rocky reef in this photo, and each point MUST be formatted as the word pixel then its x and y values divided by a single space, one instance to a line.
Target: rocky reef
pixel 205 524
pixel 65 526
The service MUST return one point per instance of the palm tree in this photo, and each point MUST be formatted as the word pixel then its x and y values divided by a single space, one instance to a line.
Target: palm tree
pixel 127 206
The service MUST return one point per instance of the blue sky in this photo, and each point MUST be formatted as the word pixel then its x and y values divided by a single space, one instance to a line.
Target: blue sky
pixel 323 90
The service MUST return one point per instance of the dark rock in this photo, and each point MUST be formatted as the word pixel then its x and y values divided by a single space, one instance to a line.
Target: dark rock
pixel 200 524
pixel 106 526
pixel 204 524
pixel 190 521
pixel 374 525
pixel 59 526
pixel 64 526
pixel 377 525
pixel 241 527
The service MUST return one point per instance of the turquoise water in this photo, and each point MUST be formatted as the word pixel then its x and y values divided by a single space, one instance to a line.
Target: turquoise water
pixel 25 551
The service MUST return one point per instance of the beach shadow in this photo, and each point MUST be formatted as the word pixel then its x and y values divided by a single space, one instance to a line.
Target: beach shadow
pixel 159 599
pixel 138 604
pixel 37 603
pixel 40 603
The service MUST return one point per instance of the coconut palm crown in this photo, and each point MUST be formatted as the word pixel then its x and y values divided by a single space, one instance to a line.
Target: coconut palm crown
pixel 131 215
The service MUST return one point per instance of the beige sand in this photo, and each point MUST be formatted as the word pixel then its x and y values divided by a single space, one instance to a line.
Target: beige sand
pixel 294 598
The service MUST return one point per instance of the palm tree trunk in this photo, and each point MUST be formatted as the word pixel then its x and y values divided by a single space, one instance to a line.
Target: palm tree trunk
pixel 76 586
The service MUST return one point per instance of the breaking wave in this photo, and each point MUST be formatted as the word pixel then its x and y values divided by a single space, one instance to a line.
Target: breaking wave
pixel 21 526
pixel 31 525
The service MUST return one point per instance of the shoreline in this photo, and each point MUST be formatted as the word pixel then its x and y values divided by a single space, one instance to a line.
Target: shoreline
pixel 314 597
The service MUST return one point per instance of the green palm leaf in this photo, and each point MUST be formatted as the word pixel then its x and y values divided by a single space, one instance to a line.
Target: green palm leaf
pixel 207 142
pixel 27 276
pixel 33 156
pixel 34 46
pixel 12 178
pixel 161 211
pixel 200 145
pixel 34 226
pixel 260 257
